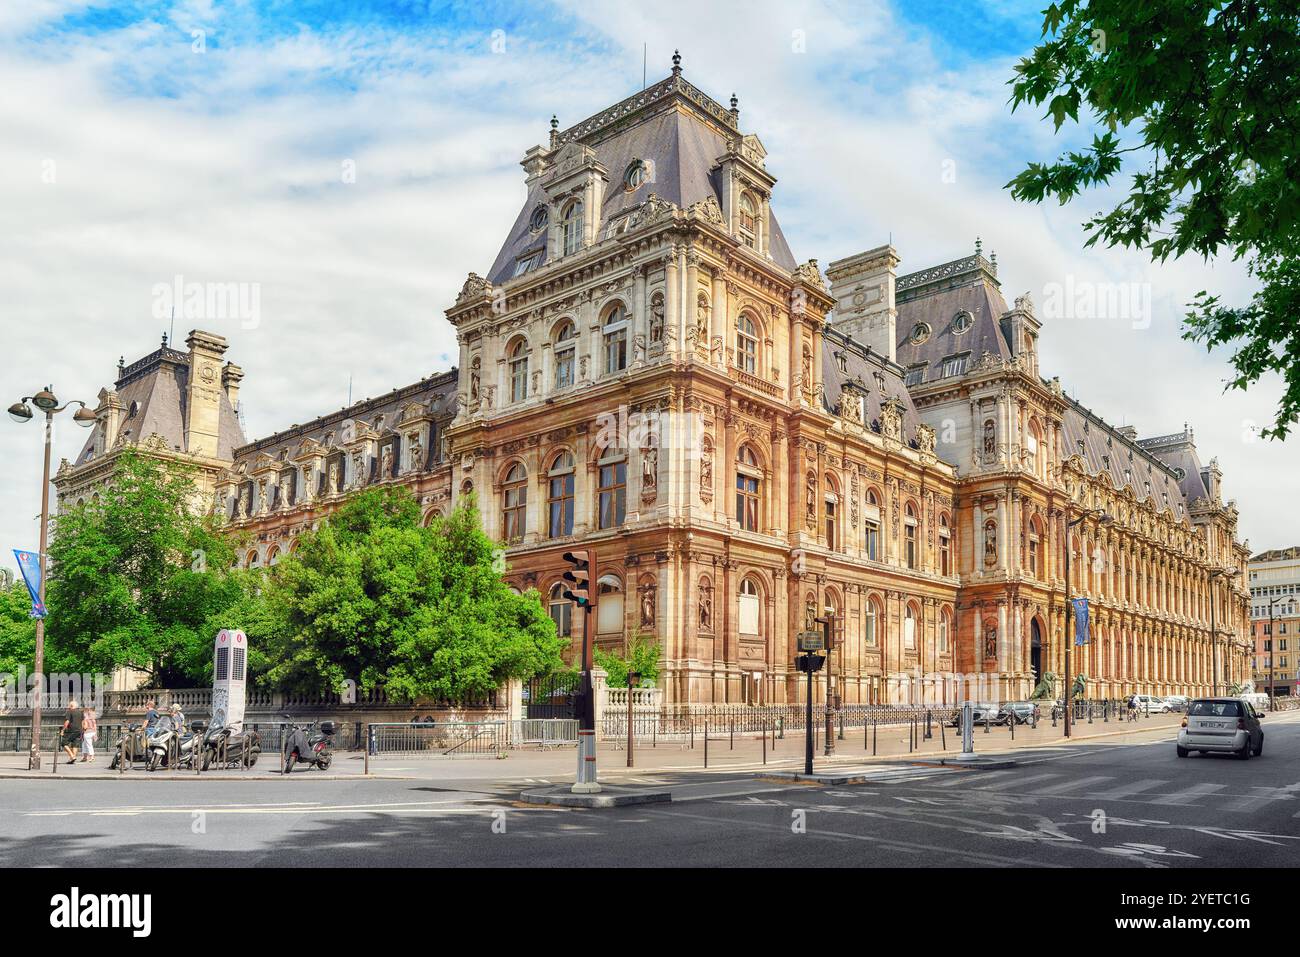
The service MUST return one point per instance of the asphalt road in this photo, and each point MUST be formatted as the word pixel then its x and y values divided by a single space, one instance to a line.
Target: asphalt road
pixel 1115 805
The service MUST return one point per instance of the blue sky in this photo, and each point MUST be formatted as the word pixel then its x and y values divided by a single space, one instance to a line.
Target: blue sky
pixel 133 155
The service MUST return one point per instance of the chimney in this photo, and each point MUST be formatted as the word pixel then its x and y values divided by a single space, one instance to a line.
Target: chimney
pixel 231 375
pixel 203 393
pixel 863 287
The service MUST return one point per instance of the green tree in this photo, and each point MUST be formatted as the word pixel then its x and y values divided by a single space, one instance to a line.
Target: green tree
pixel 136 574
pixel 642 657
pixel 17 630
pixel 374 596
pixel 1206 96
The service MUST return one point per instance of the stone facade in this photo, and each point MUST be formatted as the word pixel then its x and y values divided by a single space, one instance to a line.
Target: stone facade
pixel 647 371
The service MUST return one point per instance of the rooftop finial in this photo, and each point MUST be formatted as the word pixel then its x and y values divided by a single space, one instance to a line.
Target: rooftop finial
pixel 121 364
pixel 164 341
pixel 555 129
pixel 677 63
pixel 993 260
pixel 979 246
pixel 735 108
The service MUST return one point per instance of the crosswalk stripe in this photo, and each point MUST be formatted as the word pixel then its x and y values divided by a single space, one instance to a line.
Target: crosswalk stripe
pixel 1125 790
pixel 954 778
pixel 1188 795
pixel 1016 781
pixel 1253 802
pixel 1071 785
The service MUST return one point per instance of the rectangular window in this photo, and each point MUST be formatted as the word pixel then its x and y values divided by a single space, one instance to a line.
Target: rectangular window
pixel 747 502
pixel 561 519
pixel 869 629
pixel 524 263
pixel 872 542
pixel 915 374
pixel 830 525
pixel 910 544
pixel 749 614
pixel 562 615
pixel 615 352
pixel 955 365
pixel 564 369
pixel 613 494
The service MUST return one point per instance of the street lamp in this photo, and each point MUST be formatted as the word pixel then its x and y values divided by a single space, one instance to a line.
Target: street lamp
pixel 1214 633
pixel 1272 650
pixel 1102 519
pixel 21 412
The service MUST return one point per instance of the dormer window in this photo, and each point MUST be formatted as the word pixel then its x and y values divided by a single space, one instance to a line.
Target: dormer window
pixel 635 176
pixel 539 219
pixel 914 375
pixel 961 322
pixel 573 227
pixel 955 365
pixel 920 332
pixel 531 261
pixel 748 221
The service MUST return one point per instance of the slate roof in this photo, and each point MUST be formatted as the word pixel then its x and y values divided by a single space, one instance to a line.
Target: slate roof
pixel 680 145
pixel 1105 449
pixel 153 395
pixel 861 366
pixel 935 297
pixel 437 394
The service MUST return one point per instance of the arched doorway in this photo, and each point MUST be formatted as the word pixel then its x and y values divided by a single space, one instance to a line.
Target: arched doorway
pixel 1036 650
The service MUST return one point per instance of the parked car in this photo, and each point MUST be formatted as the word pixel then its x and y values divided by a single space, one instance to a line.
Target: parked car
pixel 1150 704
pixel 1022 712
pixel 981 712
pixel 1177 702
pixel 1227 725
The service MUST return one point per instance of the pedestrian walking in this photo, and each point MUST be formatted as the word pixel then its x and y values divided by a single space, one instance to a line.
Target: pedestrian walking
pixel 89 725
pixel 70 736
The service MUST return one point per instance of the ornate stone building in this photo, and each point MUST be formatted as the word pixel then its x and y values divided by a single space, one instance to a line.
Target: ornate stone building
pixel 647 370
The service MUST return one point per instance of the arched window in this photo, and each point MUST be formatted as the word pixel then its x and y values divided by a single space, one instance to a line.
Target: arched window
pixel 748 478
pixel 518 371
pixel 748 609
pixel 909 536
pixel 945 546
pixel 561 610
pixel 832 515
pixel 609 605
pixel 871 526
pixel 746 344
pixel 748 220
pixel 559 496
pixel 514 503
pixel 253 559
pixel 869 621
pixel 943 632
pixel 573 227
pixel 909 629
pixel 565 340
pixel 615 332
pixel 612 487
pixel 273 555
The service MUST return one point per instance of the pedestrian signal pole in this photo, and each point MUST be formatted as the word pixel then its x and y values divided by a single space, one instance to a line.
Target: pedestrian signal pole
pixel 580 589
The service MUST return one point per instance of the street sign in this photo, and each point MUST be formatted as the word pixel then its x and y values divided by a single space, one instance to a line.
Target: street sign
pixel 810 663
pixel 811 641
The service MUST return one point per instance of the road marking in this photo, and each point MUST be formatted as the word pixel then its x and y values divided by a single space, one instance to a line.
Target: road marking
pixel 1071 785
pixel 1124 790
pixel 1188 795
pixel 1253 802
pixel 1015 781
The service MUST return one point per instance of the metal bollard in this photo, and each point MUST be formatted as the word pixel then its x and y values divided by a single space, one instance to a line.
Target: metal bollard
pixel 733 734
pixel 943 736
pixel 692 734
pixel 986 722
pixel 929 733
pixel 841 725
pixel 764 736
pixel 1090 712
pixel 1012 722
pixel 706 742
pixel 873 737
pixel 780 723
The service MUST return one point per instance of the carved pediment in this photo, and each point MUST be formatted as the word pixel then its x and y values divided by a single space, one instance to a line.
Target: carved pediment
pixel 476 287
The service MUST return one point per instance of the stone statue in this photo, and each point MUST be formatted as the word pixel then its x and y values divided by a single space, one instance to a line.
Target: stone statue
pixel 648 596
pixel 386 462
pixel 413 452
pixel 990 440
pixel 702 322
pixel 1079 687
pixel 657 319
pixel 706 609
pixel 649 472
pixel 811 501
pixel 333 486
pixel 706 473
pixel 286 488
pixel 990 640
pixel 990 543
pixel 1046 688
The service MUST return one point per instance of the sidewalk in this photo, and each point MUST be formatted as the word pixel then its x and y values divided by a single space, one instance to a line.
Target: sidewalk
pixel 743 754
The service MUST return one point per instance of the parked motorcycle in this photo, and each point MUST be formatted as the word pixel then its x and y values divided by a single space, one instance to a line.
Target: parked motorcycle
pixel 130 742
pixel 164 742
pixel 304 745
pixel 224 746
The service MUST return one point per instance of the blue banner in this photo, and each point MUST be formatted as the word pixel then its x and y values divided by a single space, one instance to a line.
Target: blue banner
pixel 1080 620
pixel 29 563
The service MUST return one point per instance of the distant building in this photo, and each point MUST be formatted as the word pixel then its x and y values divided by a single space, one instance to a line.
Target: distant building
pixel 1275 619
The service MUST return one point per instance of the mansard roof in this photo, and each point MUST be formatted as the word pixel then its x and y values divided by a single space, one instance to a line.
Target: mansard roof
pixel 436 395
pixel 861 368
pixel 935 297
pixel 677 131
pixel 1178 451
pixel 152 392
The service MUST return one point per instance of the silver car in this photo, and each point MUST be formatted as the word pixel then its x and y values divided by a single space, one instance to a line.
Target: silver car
pixel 1229 725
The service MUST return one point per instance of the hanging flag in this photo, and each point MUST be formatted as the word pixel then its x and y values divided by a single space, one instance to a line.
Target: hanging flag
pixel 1080 620
pixel 29 563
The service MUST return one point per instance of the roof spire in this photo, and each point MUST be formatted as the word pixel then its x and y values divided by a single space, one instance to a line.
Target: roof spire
pixel 164 341
pixel 677 63
pixel 979 246
pixel 735 109
pixel 555 129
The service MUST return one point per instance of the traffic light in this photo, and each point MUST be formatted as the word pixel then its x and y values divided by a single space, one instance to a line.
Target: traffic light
pixel 579 590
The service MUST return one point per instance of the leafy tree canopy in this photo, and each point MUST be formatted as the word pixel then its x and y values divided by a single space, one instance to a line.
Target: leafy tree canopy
pixel 374 596
pixel 1207 94
pixel 136 574
pixel 642 657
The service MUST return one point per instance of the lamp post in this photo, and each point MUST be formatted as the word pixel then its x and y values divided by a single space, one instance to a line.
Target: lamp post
pixel 1102 519
pixel 1272 650
pixel 1214 635
pixel 21 412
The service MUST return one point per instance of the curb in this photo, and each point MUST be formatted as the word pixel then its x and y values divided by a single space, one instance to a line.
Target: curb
pixel 50 776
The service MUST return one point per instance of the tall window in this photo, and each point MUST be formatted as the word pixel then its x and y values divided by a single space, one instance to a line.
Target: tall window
pixel 561 610
pixel 909 629
pixel 747 483
pixel 832 538
pixel 746 344
pixel 869 625
pixel 573 228
pixel 748 608
pixel 609 605
pixel 909 537
pixel 871 522
pixel 748 220
pixel 1031 448
pixel 1035 559
pixel 943 633
pixel 559 497
pixel 615 331
pixel 514 503
pixel 612 490
pixel 565 341
pixel 519 371
pixel 945 546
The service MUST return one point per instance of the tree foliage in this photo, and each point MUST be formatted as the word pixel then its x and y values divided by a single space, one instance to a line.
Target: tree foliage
pixel 375 597
pixel 136 575
pixel 1206 95
pixel 642 657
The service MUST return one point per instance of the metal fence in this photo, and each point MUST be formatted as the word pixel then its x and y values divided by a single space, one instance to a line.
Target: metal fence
pixel 448 739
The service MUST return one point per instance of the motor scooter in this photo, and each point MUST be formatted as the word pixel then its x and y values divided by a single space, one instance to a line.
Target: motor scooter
pixel 304 745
